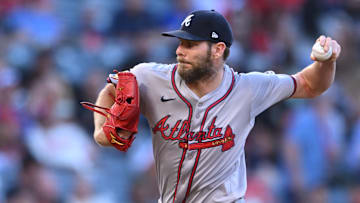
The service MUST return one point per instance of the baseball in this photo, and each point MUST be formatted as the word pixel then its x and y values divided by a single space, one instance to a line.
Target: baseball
pixel 319 53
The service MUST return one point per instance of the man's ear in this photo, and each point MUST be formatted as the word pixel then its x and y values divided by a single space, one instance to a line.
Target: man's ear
pixel 218 50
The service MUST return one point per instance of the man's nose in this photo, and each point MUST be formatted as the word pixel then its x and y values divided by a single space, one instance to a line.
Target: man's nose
pixel 179 51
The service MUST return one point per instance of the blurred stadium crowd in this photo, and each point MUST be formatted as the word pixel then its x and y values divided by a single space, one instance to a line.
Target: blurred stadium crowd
pixel 56 53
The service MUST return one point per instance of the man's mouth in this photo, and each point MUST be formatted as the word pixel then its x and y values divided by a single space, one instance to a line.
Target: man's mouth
pixel 183 61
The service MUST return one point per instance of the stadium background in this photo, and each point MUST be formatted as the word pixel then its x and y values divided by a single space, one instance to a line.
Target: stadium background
pixel 56 53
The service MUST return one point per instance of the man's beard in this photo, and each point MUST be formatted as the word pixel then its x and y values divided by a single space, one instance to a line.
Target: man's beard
pixel 202 68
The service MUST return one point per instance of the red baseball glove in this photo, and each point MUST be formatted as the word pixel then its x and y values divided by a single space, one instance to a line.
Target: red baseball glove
pixel 124 113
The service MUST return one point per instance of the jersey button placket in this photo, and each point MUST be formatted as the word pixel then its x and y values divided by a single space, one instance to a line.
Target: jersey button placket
pixel 198 110
pixel 190 154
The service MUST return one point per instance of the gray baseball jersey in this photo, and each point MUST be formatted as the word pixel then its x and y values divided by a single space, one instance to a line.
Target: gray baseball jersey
pixel 198 143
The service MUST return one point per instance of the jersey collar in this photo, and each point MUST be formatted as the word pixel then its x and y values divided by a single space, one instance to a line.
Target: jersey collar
pixel 211 96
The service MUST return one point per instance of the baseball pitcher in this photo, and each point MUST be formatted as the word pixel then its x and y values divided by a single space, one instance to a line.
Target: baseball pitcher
pixel 200 110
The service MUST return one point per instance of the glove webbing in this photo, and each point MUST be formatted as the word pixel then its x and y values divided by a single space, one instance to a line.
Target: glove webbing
pixel 91 106
pixel 118 142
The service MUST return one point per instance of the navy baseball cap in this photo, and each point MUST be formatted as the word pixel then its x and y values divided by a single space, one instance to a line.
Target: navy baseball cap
pixel 204 25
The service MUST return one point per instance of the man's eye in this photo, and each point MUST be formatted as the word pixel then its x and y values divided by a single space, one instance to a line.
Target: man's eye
pixel 190 44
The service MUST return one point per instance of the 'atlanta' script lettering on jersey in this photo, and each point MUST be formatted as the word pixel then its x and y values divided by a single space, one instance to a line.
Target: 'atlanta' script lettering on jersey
pixel 180 131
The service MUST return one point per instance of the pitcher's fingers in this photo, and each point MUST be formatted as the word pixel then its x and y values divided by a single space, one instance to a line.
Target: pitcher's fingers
pixel 321 39
pixel 327 44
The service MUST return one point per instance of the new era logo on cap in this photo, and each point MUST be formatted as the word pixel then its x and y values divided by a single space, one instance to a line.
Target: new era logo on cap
pixel 214 35
pixel 204 25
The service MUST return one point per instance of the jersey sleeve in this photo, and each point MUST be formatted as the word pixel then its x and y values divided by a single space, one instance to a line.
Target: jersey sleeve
pixel 140 71
pixel 268 89
pixel 148 77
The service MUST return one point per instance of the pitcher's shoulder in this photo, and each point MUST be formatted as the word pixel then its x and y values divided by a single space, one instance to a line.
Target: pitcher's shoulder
pixel 152 69
pixel 255 76
pixel 150 72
